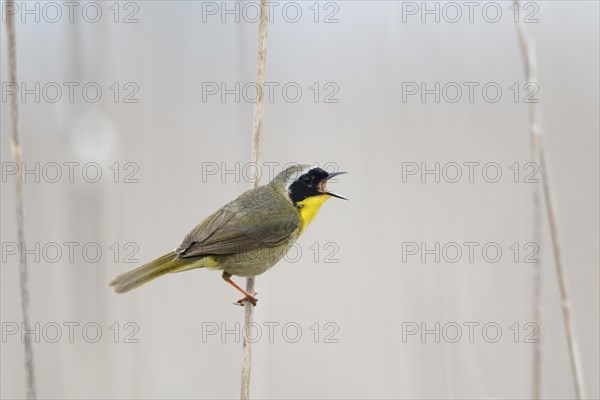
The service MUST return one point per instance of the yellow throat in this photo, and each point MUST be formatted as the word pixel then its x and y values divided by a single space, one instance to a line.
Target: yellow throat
pixel 309 208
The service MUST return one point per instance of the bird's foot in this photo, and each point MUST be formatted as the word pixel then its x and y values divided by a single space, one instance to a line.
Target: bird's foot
pixel 253 300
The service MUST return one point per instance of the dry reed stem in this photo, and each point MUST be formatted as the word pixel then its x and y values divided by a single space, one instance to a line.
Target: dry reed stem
pixel 16 154
pixel 259 110
pixel 539 156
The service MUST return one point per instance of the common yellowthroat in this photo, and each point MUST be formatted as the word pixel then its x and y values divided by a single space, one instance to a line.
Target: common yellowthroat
pixel 247 236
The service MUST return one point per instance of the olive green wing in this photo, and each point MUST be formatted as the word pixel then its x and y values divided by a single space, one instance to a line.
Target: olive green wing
pixel 230 231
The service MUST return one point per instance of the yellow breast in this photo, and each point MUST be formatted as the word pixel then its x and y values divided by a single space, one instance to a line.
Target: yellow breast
pixel 309 208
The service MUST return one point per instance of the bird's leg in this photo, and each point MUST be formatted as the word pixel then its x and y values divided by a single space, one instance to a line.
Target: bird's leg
pixel 247 296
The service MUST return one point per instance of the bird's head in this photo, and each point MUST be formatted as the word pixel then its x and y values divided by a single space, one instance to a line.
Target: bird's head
pixel 303 182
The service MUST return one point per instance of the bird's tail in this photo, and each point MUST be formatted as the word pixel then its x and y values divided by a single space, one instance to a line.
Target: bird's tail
pixel 124 282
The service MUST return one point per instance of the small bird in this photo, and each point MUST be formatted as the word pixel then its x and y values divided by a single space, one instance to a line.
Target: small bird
pixel 247 236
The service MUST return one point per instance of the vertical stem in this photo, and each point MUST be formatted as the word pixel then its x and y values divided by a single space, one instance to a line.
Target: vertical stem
pixel 259 110
pixel 537 238
pixel 537 283
pixel 16 154
pixel 528 52
pixel 539 156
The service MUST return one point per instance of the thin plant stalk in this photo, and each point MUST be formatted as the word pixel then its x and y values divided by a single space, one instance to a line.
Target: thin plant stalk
pixel 20 212
pixel 539 155
pixel 259 110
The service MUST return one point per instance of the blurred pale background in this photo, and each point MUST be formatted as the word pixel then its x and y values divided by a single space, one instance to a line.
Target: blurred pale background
pixel 171 134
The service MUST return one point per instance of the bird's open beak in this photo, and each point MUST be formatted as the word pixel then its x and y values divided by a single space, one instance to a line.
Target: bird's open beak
pixel 324 187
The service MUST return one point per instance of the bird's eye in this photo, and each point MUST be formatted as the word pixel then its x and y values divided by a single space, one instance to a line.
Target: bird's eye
pixel 307 180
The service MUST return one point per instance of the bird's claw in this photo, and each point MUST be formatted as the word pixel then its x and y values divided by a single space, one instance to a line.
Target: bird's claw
pixel 241 302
